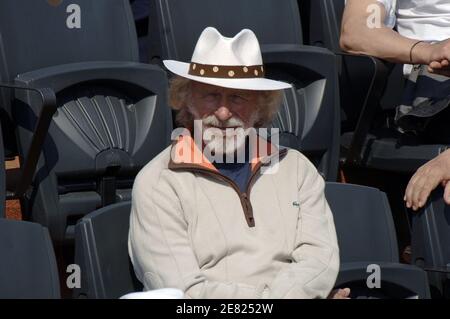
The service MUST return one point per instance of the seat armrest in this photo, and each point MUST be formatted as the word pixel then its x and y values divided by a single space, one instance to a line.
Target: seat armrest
pixel 406 276
pixel 47 109
pixel 368 90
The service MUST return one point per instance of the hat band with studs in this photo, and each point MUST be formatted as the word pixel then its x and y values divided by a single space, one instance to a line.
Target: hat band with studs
pixel 226 71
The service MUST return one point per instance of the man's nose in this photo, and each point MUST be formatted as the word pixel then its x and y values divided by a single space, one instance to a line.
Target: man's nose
pixel 223 114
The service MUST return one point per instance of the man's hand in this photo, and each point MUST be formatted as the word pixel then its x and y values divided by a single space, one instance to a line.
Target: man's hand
pixel 426 179
pixel 439 57
pixel 340 294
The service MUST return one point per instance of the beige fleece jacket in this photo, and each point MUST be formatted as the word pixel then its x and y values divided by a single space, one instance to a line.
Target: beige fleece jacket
pixel 192 229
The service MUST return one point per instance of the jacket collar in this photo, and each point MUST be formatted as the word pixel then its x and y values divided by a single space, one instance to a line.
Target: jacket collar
pixel 185 153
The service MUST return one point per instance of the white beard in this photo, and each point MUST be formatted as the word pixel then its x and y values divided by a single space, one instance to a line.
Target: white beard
pixel 224 143
pixel 226 139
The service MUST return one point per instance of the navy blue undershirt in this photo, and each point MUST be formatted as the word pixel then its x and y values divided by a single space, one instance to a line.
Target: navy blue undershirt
pixel 238 172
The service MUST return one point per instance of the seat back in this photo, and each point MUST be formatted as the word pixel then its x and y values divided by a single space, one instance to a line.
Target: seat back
pixel 307 118
pixel 325 23
pixel 364 223
pixel 173 33
pixel 141 10
pixel 101 250
pixel 430 239
pixel 28 264
pixel 356 76
pixel 39 34
pixel 59 39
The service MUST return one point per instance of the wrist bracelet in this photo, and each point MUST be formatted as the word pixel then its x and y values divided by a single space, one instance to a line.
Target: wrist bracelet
pixel 411 51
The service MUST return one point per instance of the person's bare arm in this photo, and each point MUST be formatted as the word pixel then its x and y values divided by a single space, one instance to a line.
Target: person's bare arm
pixel 358 37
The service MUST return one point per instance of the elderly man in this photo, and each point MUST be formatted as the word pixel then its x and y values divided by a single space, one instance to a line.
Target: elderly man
pixel 259 227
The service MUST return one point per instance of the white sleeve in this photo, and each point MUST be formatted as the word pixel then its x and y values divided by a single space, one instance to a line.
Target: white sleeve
pixel 315 258
pixel 390 6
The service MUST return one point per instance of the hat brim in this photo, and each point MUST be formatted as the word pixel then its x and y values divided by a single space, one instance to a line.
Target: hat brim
pixel 259 84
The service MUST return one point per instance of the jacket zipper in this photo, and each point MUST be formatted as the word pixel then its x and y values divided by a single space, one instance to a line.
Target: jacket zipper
pixel 245 201
pixel 244 197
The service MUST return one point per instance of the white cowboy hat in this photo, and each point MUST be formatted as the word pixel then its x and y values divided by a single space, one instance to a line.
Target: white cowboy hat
pixel 234 63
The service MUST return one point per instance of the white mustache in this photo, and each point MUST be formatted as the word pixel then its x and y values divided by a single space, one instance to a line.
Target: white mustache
pixel 213 121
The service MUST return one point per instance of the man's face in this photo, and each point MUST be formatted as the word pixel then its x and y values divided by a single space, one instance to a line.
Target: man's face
pixel 229 110
pixel 223 103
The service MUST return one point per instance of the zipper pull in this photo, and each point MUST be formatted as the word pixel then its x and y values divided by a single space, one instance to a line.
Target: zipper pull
pixel 248 210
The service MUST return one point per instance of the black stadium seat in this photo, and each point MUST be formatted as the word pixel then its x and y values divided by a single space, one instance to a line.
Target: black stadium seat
pixel 430 242
pixel 361 78
pixel 309 118
pixel 366 236
pixel 110 117
pixel 28 265
pixel 101 243
pixel 370 91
